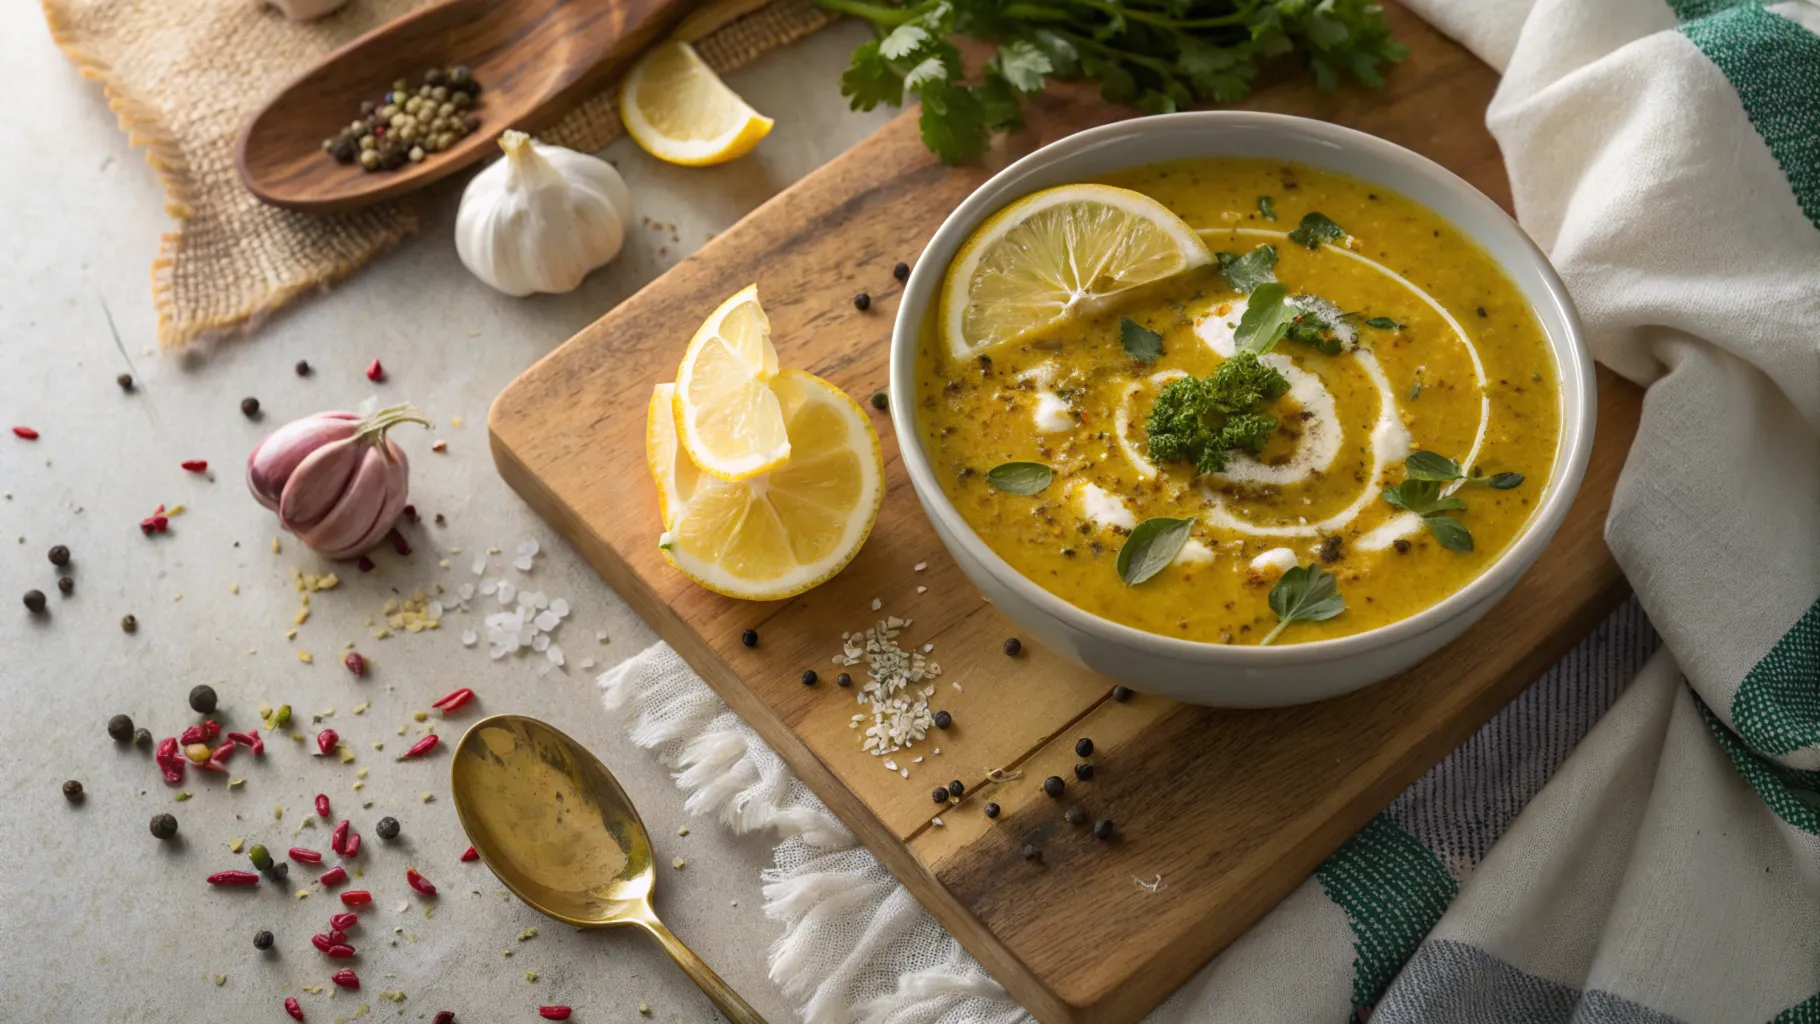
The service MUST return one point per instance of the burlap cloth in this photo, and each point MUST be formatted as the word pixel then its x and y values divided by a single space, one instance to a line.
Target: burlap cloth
pixel 184 76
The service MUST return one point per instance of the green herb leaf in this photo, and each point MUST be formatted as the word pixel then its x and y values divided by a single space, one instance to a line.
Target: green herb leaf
pixel 1415 391
pixel 1203 420
pixel 1266 319
pixel 1306 593
pixel 1450 532
pixel 1312 329
pixel 953 122
pixel 1504 481
pixel 1430 466
pixel 1423 497
pixel 1020 477
pixel 1316 228
pixel 903 41
pixel 1151 547
pixel 1264 207
pixel 1141 343
pixel 870 79
pixel 1021 63
pixel 1246 273
pixel 1384 323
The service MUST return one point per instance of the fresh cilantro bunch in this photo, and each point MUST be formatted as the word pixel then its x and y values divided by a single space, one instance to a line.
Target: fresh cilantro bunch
pixel 1156 55
pixel 1204 419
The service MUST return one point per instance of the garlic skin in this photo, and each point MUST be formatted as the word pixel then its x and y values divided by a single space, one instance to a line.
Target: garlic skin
pixel 307 10
pixel 541 219
pixel 335 479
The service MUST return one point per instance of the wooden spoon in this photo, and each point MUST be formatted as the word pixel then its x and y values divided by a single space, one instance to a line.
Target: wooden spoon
pixel 534 60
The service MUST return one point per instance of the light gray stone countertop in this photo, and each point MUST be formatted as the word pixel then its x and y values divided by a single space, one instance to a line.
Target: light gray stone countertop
pixel 98 920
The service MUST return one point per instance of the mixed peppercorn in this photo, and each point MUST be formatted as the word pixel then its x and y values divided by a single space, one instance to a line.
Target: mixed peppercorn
pixel 408 124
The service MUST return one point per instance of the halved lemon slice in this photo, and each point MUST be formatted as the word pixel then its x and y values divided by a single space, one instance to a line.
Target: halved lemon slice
pixel 726 416
pixel 777 535
pixel 679 110
pixel 1056 254
pixel 674 472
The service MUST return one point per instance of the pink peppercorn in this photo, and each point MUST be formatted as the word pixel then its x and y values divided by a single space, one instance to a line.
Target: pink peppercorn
pixel 291 1007
pixel 443 1017
pixel 26 432
pixel 364 564
pixel 418 882
pixel 233 878
pixel 554 1012
pixel 340 952
pixel 421 747
pixel 298 853
pixel 375 372
pixel 196 465
pixel 334 876
pixel 321 942
pixel 351 848
pixel 346 978
pixel 469 854
pixel 355 663
pixel 326 740
pixel 338 837
pixel 322 806
pixel 342 921
pixel 356 898
pixel 337 937
pixel 454 700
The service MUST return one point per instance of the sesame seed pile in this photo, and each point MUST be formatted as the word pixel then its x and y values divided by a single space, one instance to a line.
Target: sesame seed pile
pixel 894 687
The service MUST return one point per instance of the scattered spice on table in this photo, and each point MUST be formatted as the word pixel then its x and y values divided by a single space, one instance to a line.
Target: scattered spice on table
pixel 249 407
pixel 881 401
pixel 749 638
pixel 554 1012
pixel 418 882
pixel 1013 647
pixel 387 828
pixel 66 585
pixel 34 602
pixel 164 826
pixel 129 623
pixel 333 876
pixel 125 380
pixel 862 302
pixel 901 271
pixel 405 125
pixel 943 719
pixel 262 940
pixel 809 677
pixel 1083 747
pixel 195 465
pixel 1032 852
pixel 203 700
pixel 470 854
pixel 60 555
pixel 1075 814
pixel 421 747
pixel 120 727
pixel 291 1007
pixel 957 789
pixel 375 372
pixel 1102 829
pixel 72 791
pixel 298 853
pixel 355 662
pixel 940 795
pixel 233 878
pixel 25 432
pixel 326 741
pixel 1121 693
pixel 346 977
pixel 1053 785
pixel 454 700
pixel 992 810
pixel 1083 771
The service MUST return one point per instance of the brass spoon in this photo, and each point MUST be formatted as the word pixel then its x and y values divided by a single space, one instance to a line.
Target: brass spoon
pixel 553 824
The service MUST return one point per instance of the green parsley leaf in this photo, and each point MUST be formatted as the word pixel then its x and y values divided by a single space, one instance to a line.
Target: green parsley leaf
pixel 1423 497
pixel 1268 211
pixel 953 122
pixel 1204 419
pixel 1312 329
pixel 870 79
pixel 1245 273
pixel 1415 391
pixel 1306 593
pixel 1450 532
pixel 903 41
pixel 1020 477
pixel 1141 343
pixel 1384 323
pixel 1022 64
pixel 1504 481
pixel 1266 319
pixel 1315 229
pixel 1430 466
pixel 1151 547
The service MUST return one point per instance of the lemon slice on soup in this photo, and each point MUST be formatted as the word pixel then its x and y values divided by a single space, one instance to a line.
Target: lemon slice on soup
pixel 679 110
pixel 777 535
pixel 727 419
pixel 1057 254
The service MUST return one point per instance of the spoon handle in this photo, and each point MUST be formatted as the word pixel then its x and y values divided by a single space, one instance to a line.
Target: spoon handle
pixel 737 1010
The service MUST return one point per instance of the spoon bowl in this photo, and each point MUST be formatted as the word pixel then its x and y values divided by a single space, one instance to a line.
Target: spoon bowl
pixel 549 819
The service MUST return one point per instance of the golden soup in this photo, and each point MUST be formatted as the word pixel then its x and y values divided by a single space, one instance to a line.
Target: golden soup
pixel 1432 350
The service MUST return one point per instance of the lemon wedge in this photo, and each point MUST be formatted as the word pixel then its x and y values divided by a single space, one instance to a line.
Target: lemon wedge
pixel 727 418
pixel 675 476
pixel 777 535
pixel 679 110
pixel 1057 254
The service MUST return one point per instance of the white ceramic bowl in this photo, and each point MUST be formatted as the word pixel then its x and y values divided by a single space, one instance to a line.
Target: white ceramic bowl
pixel 1218 674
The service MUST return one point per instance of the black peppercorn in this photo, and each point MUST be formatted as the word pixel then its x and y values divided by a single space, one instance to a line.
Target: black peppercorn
pixel 1083 747
pixel 940 795
pixel 129 623
pixel 120 727
pixel 66 585
pixel 34 601
pixel 862 302
pixel 262 940
pixel 72 791
pixel 1481 310
pixel 60 555
pixel 1121 693
pixel 943 719
pixel 387 828
pixel 1401 545
pixel 1032 852
pixel 1102 829
pixel 992 810
pixel 1053 785
pixel 303 367
pixel 809 677
pixel 142 737
pixel 881 401
pixel 249 407
pixel 125 381
pixel 164 826
pixel 279 871
pixel 957 789
pixel 203 699
pixel 843 680
pixel 901 271
pixel 1013 647
pixel 749 638
pixel 1074 815
pixel 1083 771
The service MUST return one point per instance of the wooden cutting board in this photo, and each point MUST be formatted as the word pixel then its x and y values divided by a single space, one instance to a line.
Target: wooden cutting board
pixel 1232 809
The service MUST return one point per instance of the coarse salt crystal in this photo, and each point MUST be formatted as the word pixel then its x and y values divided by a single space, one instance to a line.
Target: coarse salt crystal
pixel 554 654
pixel 507 592
pixel 528 549
pixel 540 642
pixel 465 591
pixel 936 821
pixel 522 563
pixel 890 764
pixel 480 564
pixel 587 663
pixel 497 653
pixel 546 620
pixel 922 590
pixel 877 604
pixel 489 587
pixel 905 772
pixel 920 566
pixel 468 638
pixel 560 608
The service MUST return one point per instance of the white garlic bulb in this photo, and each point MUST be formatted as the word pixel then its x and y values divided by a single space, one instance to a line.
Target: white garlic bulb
pixel 542 218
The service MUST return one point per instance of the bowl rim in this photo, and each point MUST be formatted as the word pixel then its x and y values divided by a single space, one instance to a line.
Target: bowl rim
pixel 1574 366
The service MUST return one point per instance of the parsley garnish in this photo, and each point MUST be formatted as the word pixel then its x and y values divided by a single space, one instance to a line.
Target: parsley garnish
pixel 1269 212
pixel 1246 273
pixel 1156 57
pixel 1384 323
pixel 1310 328
pixel 1020 477
pixel 1315 229
pixel 1429 473
pixel 1306 593
pixel 1151 547
pixel 1141 343
pixel 1267 317
pixel 1204 419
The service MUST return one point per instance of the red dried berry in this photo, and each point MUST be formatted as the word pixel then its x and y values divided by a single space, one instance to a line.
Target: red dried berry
pixel 247 740
pixel 443 1017
pixel 375 372
pixel 220 754
pixel 191 736
pixel 334 876
pixel 469 854
pixel 410 513
pixel 342 921
pixel 322 806
pixel 554 1012
pixel 167 750
pixel 340 952
pixel 338 836
pixel 291 1007
pixel 346 978
pixel 364 564
pixel 355 663
pixel 173 773
pixel 356 898
pixel 233 878
pixel 304 856
pixel 196 465
pixel 26 432
pixel 454 700
pixel 321 942
pixel 337 937
pixel 399 544
pixel 421 747
pixel 418 882
pixel 351 848
pixel 326 740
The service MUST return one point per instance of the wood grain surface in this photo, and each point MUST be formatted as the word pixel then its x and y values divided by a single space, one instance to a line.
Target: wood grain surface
pixel 1232 808
pixel 534 60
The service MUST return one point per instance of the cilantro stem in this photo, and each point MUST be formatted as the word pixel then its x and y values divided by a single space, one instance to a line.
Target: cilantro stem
pixel 1237 17
pixel 878 14
pixel 1272 635
pixel 1161 67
